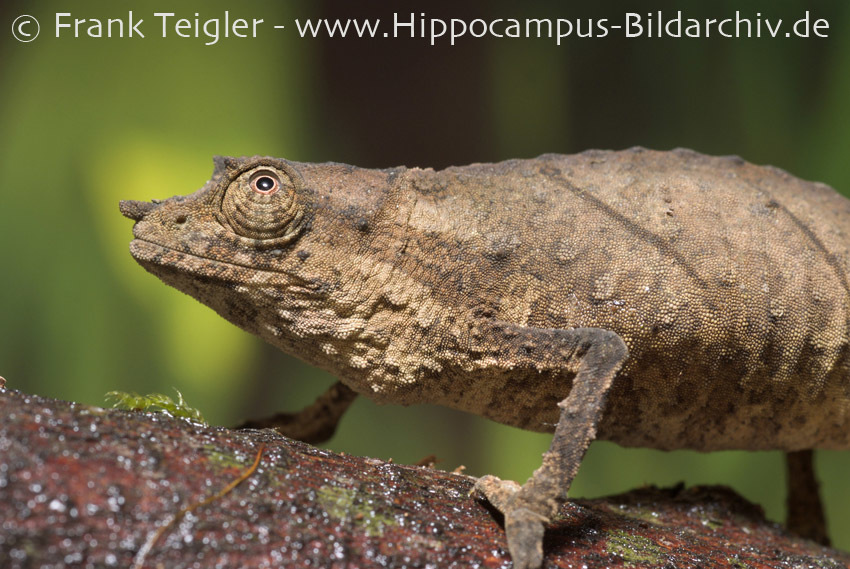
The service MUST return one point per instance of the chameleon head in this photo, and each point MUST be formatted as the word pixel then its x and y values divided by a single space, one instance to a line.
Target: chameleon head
pixel 238 245
pixel 249 205
pixel 291 252
pixel 255 200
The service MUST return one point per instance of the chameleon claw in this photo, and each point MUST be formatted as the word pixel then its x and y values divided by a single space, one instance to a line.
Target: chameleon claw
pixel 524 527
pixel 496 491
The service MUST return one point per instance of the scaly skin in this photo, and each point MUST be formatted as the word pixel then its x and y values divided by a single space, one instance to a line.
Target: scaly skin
pixel 665 299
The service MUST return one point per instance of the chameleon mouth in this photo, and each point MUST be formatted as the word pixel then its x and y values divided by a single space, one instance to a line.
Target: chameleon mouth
pixel 164 261
pixel 189 273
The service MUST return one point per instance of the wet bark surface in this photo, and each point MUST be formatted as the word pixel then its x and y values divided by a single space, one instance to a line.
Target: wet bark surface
pixel 89 487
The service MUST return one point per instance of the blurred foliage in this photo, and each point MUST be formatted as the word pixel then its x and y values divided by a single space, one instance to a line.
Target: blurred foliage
pixel 86 122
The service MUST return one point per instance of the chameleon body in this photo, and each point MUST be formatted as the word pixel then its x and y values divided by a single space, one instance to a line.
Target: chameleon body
pixel 658 299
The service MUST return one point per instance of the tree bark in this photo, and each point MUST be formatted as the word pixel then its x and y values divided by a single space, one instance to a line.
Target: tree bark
pixel 89 487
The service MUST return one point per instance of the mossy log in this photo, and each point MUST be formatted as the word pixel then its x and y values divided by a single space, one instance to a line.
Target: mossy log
pixel 89 487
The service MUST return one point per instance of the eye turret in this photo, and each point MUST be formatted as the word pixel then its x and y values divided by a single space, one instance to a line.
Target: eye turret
pixel 262 203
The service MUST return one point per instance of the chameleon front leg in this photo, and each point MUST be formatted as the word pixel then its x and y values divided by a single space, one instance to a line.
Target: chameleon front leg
pixel 314 424
pixel 596 355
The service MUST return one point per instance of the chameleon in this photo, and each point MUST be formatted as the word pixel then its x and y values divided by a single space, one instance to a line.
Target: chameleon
pixel 661 299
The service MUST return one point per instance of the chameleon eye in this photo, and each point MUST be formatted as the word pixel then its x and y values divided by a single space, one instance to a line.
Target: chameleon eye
pixel 265 183
pixel 261 204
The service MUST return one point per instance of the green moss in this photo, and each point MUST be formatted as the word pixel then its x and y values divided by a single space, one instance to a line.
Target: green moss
pixel 711 523
pixel 737 563
pixel 634 548
pixel 348 504
pixel 638 513
pixel 221 459
pixel 155 403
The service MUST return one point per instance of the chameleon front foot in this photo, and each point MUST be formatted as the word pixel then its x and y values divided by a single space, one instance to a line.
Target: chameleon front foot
pixel 596 355
pixel 524 527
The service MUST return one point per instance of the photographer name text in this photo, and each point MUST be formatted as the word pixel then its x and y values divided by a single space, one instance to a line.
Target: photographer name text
pixel 212 31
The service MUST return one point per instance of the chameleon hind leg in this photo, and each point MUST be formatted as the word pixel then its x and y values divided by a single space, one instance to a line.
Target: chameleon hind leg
pixel 596 355
pixel 805 508
pixel 313 424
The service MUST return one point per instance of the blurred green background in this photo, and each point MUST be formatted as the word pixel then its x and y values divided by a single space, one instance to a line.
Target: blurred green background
pixel 86 122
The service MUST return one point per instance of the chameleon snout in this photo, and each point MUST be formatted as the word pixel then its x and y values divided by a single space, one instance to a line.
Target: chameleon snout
pixel 135 209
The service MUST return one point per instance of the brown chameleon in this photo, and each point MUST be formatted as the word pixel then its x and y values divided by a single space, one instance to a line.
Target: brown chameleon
pixel 657 299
